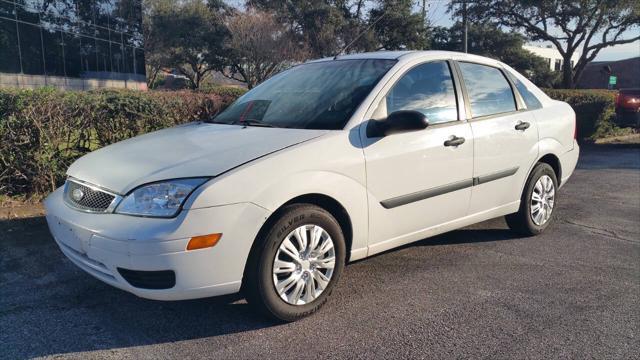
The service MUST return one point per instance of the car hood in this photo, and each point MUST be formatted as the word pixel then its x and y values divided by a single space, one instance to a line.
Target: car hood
pixel 191 150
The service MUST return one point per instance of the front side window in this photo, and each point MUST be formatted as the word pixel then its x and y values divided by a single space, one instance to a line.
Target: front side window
pixel 489 91
pixel 427 88
pixel 321 95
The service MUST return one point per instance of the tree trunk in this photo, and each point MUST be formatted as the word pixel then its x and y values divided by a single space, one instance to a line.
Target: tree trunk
pixel 567 73
pixel 196 82
pixel 153 77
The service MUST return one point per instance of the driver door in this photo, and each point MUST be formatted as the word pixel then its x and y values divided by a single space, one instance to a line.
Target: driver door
pixel 420 179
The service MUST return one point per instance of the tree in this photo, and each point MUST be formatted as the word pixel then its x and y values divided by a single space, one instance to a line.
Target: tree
pixel 573 26
pixel 259 47
pixel 156 54
pixel 354 31
pixel 490 41
pixel 317 23
pixel 397 26
pixel 187 35
pixel 327 26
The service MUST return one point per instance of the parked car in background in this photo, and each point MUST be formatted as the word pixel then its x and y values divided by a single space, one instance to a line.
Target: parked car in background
pixel 328 162
pixel 628 107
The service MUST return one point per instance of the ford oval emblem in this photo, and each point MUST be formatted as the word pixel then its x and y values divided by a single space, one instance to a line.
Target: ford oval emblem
pixel 77 194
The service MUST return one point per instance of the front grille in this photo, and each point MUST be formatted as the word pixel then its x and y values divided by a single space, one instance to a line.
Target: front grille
pixel 87 198
pixel 164 279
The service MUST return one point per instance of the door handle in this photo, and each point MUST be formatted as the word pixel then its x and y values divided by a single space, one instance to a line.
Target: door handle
pixel 454 141
pixel 522 125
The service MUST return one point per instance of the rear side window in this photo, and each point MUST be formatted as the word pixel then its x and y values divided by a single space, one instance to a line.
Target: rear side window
pixel 488 89
pixel 530 100
pixel 427 88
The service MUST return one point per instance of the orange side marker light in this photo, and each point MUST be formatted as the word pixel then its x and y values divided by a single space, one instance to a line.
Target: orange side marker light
pixel 204 241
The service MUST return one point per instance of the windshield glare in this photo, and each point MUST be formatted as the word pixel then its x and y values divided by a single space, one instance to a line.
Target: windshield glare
pixel 320 95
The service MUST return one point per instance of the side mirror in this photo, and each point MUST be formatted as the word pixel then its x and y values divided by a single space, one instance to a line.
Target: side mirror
pixel 398 122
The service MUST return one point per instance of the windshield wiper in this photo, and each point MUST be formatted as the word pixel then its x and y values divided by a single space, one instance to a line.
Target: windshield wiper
pixel 253 122
pixel 214 121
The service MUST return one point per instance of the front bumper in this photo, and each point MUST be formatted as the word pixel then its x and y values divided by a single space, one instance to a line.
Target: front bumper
pixel 100 244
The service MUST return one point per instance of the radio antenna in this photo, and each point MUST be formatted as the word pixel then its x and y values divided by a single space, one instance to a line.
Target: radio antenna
pixel 360 35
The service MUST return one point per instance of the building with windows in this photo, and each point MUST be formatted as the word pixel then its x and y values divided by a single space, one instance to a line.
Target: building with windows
pixel 71 44
pixel 551 56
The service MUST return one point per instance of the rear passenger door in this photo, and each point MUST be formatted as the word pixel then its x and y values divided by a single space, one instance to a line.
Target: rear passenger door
pixel 505 137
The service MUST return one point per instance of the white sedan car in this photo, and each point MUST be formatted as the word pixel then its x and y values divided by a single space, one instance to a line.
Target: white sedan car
pixel 328 162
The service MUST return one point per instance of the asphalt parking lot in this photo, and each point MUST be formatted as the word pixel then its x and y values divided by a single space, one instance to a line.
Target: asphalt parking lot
pixel 479 292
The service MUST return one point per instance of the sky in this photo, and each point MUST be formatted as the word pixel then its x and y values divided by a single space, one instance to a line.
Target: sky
pixel 437 16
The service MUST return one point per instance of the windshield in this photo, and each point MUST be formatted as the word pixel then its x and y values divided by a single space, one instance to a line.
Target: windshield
pixel 320 95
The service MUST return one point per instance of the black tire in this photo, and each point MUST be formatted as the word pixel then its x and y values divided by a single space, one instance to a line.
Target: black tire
pixel 258 283
pixel 522 221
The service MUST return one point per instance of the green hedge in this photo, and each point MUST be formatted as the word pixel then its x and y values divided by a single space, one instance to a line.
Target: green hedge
pixel 233 91
pixel 43 131
pixel 595 111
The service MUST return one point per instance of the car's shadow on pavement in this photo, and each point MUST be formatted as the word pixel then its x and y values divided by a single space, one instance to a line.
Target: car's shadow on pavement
pixel 69 311
pixel 468 236
pixel 46 298
pixel 487 231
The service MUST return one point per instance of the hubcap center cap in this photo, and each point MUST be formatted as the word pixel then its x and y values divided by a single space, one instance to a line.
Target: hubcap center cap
pixel 305 264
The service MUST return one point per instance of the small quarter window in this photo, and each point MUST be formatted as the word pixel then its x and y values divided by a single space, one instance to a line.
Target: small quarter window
pixel 489 91
pixel 427 88
pixel 530 100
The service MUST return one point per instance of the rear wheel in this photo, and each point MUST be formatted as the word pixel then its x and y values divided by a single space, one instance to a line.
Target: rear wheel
pixel 537 203
pixel 295 265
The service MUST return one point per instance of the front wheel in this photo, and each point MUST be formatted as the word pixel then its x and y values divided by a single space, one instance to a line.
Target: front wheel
pixel 538 201
pixel 296 263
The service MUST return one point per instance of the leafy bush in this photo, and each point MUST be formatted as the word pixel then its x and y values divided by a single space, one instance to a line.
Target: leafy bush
pixel 595 111
pixel 225 91
pixel 43 131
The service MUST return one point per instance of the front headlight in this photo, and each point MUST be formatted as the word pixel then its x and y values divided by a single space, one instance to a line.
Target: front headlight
pixel 160 199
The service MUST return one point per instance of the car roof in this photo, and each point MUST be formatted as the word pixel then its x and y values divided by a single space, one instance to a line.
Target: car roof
pixel 407 55
pixel 376 55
